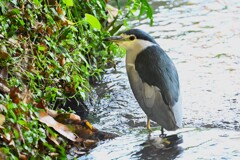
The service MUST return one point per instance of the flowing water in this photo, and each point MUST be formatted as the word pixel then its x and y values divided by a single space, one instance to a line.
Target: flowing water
pixel 203 39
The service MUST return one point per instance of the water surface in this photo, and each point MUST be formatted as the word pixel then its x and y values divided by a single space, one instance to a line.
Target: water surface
pixel 203 39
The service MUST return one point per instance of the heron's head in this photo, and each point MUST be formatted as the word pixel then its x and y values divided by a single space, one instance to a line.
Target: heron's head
pixel 133 40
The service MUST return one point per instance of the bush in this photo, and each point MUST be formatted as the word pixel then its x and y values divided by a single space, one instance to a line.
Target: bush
pixel 51 50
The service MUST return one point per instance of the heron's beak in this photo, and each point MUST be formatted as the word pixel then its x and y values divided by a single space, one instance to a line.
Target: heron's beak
pixel 114 39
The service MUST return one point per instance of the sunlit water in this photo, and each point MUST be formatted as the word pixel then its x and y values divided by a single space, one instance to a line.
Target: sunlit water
pixel 203 39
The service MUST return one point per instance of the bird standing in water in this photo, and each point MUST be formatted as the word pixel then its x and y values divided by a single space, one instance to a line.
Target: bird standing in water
pixel 153 78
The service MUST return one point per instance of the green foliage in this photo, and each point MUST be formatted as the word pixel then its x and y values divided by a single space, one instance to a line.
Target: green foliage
pixel 131 7
pixel 24 135
pixel 54 48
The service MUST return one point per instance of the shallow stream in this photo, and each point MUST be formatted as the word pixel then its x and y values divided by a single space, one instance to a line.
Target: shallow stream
pixel 203 39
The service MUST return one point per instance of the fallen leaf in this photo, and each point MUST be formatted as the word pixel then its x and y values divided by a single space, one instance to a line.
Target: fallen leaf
pixel 75 118
pixel 3 52
pixel 27 96
pixel 4 88
pixel 59 127
pixel 22 156
pixel 6 137
pixel 53 139
pixel 68 118
pixel 2 119
pixel 61 60
pixel 90 143
pixel 14 95
pixel 53 154
pixel 4 73
pixel 41 104
pixel 52 113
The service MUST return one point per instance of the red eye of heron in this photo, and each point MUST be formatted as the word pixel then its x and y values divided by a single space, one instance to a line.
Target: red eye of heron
pixel 132 38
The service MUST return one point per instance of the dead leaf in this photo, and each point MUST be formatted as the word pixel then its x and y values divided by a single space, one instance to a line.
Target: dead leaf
pixel 3 87
pixel 83 132
pixel 14 94
pixel 27 96
pixel 53 154
pixel 3 52
pixel 59 127
pixel 22 156
pixel 90 143
pixel 53 139
pixel 2 119
pixel 6 137
pixel 75 118
pixel 52 113
pixel 59 10
pixel 79 152
pixel 61 60
pixel 41 104
pixel 4 73
pixel 68 118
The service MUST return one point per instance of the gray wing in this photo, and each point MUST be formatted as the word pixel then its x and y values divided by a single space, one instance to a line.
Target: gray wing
pixel 156 69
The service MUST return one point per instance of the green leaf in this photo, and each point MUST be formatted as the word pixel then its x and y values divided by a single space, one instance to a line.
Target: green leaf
pixel 93 21
pixel 68 2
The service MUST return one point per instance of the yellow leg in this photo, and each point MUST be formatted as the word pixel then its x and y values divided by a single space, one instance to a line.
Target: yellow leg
pixel 148 124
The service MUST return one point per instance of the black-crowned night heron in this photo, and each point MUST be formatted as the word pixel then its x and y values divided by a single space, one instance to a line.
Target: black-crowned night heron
pixel 153 78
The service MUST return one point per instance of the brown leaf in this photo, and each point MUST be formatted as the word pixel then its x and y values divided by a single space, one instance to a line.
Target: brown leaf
pixel 68 118
pixel 90 143
pixel 4 73
pixel 54 154
pixel 6 137
pixel 75 118
pixel 53 139
pixel 59 127
pixel 22 156
pixel 27 96
pixel 2 119
pixel 59 10
pixel 52 113
pixel 14 95
pixel 49 31
pixel 61 60
pixel 3 87
pixel 3 53
pixel 3 84
pixel 83 132
pixel 41 104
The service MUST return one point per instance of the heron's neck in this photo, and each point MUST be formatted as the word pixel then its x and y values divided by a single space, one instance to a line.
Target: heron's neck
pixel 134 48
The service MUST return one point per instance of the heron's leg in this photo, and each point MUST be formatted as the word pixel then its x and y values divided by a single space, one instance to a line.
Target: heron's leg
pixel 148 124
pixel 162 135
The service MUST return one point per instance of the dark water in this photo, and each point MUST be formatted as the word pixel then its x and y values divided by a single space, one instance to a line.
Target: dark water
pixel 203 39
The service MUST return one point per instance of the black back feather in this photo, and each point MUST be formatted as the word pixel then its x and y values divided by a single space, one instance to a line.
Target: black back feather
pixel 157 69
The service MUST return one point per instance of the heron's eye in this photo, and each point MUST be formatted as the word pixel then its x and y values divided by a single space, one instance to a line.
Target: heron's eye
pixel 132 38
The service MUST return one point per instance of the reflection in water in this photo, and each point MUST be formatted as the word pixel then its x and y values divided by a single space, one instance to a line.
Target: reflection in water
pixel 151 151
pixel 202 37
